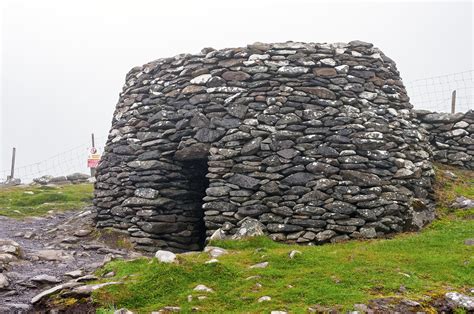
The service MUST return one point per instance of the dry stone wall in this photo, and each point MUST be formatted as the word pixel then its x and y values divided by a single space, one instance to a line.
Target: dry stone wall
pixel 317 142
pixel 451 136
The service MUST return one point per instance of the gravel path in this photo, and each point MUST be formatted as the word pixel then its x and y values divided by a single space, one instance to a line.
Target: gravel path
pixel 43 251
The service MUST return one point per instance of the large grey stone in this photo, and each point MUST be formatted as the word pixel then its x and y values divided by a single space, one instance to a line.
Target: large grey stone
pixel 244 181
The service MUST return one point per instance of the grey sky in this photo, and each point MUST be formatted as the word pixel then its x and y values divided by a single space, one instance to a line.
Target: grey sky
pixel 64 62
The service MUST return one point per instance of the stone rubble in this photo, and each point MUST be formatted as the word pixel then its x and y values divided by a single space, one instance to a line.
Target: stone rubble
pixel 74 178
pixel 165 256
pixel 461 300
pixel 32 268
pixel 451 136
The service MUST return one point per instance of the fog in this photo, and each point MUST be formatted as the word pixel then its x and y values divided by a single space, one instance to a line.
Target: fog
pixel 64 62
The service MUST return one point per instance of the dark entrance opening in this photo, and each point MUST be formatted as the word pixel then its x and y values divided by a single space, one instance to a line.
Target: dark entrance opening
pixel 195 172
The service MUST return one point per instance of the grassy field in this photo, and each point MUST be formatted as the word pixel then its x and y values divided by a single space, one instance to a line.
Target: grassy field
pixel 417 266
pixel 24 201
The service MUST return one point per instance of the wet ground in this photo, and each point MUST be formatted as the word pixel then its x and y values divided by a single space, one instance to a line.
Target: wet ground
pixel 44 251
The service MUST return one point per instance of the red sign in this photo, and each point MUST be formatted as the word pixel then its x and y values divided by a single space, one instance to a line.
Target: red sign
pixel 92 163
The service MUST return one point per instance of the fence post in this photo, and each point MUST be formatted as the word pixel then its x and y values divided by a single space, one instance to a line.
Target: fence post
pixel 93 146
pixel 12 170
pixel 453 102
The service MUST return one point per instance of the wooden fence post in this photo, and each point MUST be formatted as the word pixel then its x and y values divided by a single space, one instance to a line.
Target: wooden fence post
pixel 453 102
pixel 12 169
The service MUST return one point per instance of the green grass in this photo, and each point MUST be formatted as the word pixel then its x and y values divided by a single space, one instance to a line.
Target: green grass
pixel 427 263
pixel 412 265
pixel 19 202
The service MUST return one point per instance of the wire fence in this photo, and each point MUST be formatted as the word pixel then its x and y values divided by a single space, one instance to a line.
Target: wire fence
pixel 435 93
pixel 64 163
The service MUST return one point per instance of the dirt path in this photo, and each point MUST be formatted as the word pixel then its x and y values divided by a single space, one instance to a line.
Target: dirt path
pixel 44 250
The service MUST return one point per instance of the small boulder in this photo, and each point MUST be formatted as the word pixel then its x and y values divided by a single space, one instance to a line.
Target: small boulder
pixel 10 247
pixel 82 233
pixel 460 300
pixel 249 227
pixel 4 283
pixel 53 255
pixel 463 203
pixel 212 261
pixel 293 253
pixel 265 298
pixel 165 256
pixel 215 251
pixel 203 288
pixel 219 234
pixel 260 265
pixel 47 279
pixel 75 273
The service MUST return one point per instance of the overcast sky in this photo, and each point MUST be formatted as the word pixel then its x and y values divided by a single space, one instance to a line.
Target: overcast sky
pixel 64 62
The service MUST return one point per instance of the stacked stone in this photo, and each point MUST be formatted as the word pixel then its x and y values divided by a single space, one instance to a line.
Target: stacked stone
pixel 451 136
pixel 317 142
pixel 75 178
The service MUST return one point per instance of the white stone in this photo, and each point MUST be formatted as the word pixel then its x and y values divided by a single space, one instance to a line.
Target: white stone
pixel 392 111
pixel 123 311
pixel 260 265
pixel 212 261
pixel 146 193
pixel 225 89
pixel 219 234
pixel 292 71
pixel 203 288
pixel 279 63
pixel 259 57
pixel 376 56
pixel 4 283
pixel 215 251
pixel 461 300
pixel 250 63
pixel 249 227
pixel 368 95
pixel 45 279
pixel 75 273
pixel 265 298
pixel 7 258
pixel 201 79
pixel 293 253
pixel 53 255
pixel 165 256
pixel 457 132
pixel 461 125
pixel 328 61
pixel 342 68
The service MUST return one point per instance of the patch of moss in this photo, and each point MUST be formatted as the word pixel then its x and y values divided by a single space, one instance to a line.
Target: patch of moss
pixel 114 238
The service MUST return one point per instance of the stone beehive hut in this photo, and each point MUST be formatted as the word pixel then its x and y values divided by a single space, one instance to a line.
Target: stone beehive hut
pixel 315 141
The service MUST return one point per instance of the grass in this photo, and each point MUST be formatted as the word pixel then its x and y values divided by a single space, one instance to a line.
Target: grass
pixel 418 266
pixel 447 189
pixel 25 201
